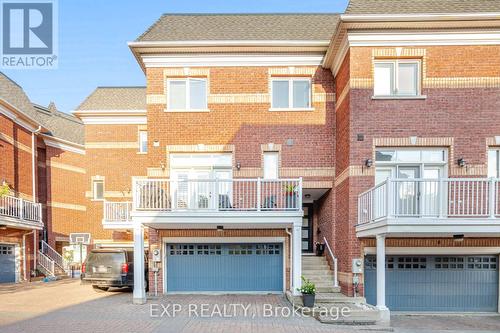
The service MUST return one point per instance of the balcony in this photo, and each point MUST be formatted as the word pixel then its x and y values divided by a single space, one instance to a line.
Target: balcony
pixel 20 213
pixel 430 207
pixel 207 201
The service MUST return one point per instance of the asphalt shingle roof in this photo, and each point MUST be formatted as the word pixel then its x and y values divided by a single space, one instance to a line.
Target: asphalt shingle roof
pixel 115 98
pixel 422 6
pixel 190 27
pixel 58 124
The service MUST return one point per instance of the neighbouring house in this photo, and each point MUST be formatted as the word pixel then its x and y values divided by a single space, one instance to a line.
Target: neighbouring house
pixel 41 173
pixel 375 132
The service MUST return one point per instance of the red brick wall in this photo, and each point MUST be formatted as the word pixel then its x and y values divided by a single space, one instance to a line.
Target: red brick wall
pixel 16 159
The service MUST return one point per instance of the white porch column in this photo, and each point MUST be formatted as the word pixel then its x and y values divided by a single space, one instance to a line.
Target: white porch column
pixel 384 311
pixel 139 282
pixel 297 257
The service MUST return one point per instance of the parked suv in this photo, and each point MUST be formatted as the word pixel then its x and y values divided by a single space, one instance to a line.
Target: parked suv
pixel 105 268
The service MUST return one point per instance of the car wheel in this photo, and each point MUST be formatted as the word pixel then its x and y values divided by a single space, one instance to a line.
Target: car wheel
pixel 100 289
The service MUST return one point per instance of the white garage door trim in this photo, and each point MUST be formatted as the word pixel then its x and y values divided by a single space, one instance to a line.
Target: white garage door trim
pixel 221 240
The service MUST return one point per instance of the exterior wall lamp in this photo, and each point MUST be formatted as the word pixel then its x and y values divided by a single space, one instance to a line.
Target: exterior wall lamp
pixel 369 163
pixel 461 162
pixel 238 166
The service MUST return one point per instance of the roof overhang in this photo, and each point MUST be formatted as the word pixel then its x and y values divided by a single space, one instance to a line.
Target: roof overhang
pixel 19 117
pixel 349 23
pixel 148 48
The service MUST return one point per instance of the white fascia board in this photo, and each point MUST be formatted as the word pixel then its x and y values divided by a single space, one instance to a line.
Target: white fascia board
pixel 116 120
pixel 231 60
pixel 435 37
pixel 109 112
pixel 195 43
pixel 17 119
pixel 64 145
pixel 418 17
pixel 223 240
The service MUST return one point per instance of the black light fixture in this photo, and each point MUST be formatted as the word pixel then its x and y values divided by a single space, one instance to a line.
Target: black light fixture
pixel 3 227
pixel 368 163
pixel 238 166
pixel 220 228
pixel 461 162
pixel 307 196
pixel 458 238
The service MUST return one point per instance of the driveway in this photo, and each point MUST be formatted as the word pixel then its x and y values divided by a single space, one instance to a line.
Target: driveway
pixel 66 306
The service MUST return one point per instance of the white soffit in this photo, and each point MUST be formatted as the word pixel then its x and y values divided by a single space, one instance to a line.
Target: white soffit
pixel 231 60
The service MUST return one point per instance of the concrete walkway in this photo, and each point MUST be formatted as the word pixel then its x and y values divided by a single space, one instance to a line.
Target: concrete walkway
pixel 66 306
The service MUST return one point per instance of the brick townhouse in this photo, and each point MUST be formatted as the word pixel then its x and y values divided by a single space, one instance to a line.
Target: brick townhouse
pixel 375 132
pixel 41 160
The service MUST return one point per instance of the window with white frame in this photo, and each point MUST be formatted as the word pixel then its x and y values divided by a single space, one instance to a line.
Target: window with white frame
pixel 187 94
pixel 98 189
pixel 291 93
pixel 271 165
pixel 494 163
pixel 143 141
pixel 400 78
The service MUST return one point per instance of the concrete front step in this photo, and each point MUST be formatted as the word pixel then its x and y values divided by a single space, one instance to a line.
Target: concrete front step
pixel 325 271
pixel 337 297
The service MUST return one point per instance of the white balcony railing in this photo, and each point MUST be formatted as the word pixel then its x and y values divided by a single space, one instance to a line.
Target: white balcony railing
pixel 436 198
pixel 21 209
pixel 117 211
pixel 217 195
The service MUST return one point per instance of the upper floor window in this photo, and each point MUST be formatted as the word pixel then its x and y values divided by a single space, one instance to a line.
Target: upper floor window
pixel 98 189
pixel 400 78
pixel 270 165
pixel 291 93
pixel 143 141
pixel 187 94
pixel 494 163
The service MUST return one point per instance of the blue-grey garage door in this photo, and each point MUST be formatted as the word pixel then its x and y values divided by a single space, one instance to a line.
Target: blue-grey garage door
pixel 224 267
pixel 436 283
pixel 7 263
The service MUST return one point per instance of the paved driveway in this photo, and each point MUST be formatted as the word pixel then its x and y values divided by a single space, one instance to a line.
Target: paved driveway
pixel 67 306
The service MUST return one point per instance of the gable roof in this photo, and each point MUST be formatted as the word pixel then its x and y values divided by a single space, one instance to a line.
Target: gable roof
pixel 115 98
pixel 53 122
pixel 13 94
pixel 389 7
pixel 61 125
pixel 224 27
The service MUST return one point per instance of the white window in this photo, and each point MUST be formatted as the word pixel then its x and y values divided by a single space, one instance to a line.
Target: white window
pixel 270 165
pixel 186 94
pixel 494 163
pixel 143 141
pixel 98 189
pixel 293 93
pixel 397 78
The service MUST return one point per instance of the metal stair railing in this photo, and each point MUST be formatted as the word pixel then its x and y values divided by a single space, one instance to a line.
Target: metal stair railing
pixel 46 263
pixel 55 256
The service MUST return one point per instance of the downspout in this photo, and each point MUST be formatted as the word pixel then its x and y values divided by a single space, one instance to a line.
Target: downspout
pixel 33 169
pixel 291 259
pixel 24 253
pixel 33 165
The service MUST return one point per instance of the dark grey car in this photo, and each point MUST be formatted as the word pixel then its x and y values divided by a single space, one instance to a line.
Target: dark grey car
pixel 105 268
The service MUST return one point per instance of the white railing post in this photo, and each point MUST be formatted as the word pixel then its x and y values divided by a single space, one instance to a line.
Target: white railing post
pixel 215 201
pixel 134 194
pixel 335 264
pixel 21 209
pixel 441 198
pixel 299 202
pixel 492 203
pixel 258 193
pixel 389 199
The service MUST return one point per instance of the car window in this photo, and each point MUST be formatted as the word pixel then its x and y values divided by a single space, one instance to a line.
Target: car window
pixel 106 258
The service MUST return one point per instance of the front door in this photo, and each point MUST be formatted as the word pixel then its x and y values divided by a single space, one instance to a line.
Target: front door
pixel 307 236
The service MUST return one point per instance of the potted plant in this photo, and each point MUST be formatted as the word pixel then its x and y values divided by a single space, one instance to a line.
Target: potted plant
pixel 308 290
pixel 320 249
pixel 290 195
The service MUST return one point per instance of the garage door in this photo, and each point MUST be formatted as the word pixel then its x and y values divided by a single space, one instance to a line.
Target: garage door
pixel 7 263
pixel 436 283
pixel 224 267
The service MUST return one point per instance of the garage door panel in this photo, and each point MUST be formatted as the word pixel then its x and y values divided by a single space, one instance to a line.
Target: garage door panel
pixel 7 263
pixel 230 267
pixel 458 283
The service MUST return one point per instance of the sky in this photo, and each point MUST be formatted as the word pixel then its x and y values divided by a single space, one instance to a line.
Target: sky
pixel 93 36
